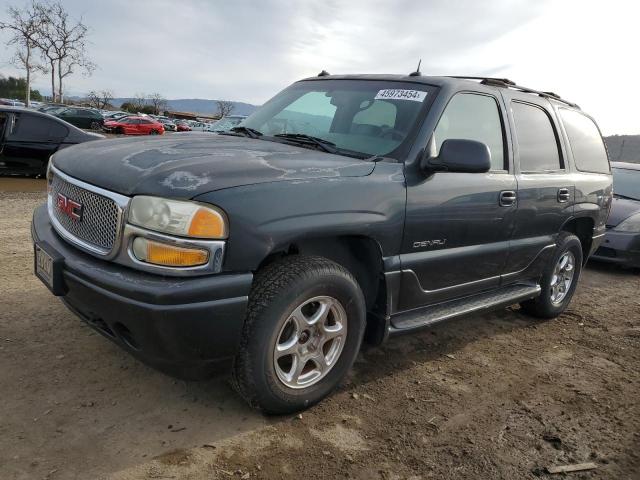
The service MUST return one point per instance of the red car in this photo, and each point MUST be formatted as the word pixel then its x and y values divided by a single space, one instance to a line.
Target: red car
pixel 135 126
pixel 182 127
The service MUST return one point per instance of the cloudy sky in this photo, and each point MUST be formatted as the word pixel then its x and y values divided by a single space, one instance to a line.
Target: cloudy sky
pixel 587 51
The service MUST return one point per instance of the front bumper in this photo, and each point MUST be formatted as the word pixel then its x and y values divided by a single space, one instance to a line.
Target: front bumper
pixel 187 327
pixel 620 248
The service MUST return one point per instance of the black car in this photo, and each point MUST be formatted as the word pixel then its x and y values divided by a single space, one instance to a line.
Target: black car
pixel 80 117
pixel 622 241
pixel 345 208
pixel 28 138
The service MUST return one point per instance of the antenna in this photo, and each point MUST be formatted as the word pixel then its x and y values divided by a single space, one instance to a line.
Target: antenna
pixel 417 73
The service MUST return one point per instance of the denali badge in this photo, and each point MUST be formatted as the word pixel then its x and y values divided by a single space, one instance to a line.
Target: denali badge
pixel 69 207
pixel 430 243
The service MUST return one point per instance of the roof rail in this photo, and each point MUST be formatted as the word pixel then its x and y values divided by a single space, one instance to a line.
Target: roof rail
pixel 506 83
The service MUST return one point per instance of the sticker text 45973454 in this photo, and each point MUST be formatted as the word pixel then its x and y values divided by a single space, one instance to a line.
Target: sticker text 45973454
pixel 400 94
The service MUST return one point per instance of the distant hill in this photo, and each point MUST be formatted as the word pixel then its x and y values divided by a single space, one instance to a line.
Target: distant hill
pixel 196 105
pixel 623 148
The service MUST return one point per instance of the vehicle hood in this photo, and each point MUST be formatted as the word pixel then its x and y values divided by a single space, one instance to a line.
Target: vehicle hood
pixel 188 165
pixel 621 209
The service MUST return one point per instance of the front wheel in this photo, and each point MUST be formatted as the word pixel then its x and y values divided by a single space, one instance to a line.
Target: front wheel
pixel 303 330
pixel 559 280
pixel 95 126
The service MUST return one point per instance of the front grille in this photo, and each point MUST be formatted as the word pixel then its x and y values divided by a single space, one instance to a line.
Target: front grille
pixel 99 223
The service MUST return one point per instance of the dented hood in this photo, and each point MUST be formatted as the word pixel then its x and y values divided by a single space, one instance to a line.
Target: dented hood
pixel 187 165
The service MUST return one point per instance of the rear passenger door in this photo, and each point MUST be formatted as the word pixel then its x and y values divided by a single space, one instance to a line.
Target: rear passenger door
pixel 545 195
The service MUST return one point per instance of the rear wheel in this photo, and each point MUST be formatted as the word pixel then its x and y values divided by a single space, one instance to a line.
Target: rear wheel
pixel 559 280
pixel 304 327
pixel 95 126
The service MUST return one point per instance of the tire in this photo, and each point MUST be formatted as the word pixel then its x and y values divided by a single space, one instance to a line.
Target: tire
pixel 153 132
pixel 293 284
pixel 119 131
pixel 95 126
pixel 543 306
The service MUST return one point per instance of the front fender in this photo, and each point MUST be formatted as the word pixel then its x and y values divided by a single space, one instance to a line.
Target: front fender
pixel 268 217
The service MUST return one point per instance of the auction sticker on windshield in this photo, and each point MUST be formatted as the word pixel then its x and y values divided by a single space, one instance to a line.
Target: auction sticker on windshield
pixel 399 94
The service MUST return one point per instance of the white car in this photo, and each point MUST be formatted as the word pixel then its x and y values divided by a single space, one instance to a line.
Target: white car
pixel 225 123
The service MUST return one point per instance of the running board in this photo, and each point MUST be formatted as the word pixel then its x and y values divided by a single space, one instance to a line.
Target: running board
pixel 423 317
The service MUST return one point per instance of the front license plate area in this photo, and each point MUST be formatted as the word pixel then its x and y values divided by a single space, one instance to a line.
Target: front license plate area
pixel 48 266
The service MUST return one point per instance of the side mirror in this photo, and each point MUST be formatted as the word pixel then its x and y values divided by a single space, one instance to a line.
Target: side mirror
pixel 457 155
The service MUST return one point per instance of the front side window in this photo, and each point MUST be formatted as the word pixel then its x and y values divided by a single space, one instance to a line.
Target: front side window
pixel 361 118
pixel 536 137
pixel 586 143
pixel 471 116
pixel 34 128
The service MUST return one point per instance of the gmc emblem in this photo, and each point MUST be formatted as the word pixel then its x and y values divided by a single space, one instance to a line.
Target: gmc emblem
pixel 69 207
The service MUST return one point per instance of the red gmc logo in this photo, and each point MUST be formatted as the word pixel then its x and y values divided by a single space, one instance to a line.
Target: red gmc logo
pixel 69 207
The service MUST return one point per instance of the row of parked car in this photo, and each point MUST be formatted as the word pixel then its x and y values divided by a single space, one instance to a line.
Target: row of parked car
pixel 29 136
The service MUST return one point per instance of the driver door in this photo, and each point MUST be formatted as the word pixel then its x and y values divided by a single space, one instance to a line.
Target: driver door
pixel 458 225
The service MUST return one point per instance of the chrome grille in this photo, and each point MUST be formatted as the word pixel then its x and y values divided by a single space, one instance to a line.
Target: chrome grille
pixel 100 220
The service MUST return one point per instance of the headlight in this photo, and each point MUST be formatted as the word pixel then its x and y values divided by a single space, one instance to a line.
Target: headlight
pixel 175 217
pixel 630 225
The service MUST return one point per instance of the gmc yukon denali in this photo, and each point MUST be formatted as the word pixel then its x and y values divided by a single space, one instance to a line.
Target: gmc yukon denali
pixel 346 209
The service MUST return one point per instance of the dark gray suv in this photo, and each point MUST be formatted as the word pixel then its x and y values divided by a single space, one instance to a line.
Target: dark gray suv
pixel 345 208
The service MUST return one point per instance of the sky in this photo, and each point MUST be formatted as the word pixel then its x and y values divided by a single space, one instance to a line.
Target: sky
pixel 248 50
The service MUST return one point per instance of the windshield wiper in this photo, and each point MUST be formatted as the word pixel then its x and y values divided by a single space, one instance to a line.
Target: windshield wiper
pixel 248 132
pixel 325 145
pixel 619 195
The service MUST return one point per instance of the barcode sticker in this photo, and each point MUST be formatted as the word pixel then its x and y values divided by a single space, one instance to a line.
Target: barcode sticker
pixel 398 94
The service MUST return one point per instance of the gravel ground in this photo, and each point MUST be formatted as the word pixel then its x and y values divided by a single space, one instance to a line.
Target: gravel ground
pixel 495 396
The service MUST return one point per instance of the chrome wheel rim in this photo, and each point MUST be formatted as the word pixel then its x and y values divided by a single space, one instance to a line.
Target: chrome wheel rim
pixel 562 277
pixel 310 342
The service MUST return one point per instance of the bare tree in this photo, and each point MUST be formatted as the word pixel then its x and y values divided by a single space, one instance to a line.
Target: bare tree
pixel 139 101
pixel 62 41
pixel 25 27
pixel 225 107
pixel 158 102
pixel 100 99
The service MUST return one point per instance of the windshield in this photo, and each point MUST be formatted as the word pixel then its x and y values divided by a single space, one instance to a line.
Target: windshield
pixel 626 183
pixel 362 116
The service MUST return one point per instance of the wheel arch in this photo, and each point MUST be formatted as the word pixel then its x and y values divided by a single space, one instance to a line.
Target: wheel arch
pixel 582 227
pixel 360 255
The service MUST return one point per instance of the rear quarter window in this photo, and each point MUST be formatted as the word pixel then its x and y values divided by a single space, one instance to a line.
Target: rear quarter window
pixel 589 152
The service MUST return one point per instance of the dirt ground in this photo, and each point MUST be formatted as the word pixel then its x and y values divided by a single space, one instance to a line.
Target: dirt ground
pixel 495 396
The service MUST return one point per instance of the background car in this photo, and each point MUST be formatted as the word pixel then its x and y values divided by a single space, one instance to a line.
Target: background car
pixel 80 117
pixel 182 126
pixel 622 240
pixel 28 138
pixel 169 126
pixel 225 123
pixel 135 126
pixel 11 102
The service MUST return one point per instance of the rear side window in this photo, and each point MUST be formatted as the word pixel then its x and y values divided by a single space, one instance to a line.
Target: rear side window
pixel 586 143
pixel 537 141
pixel 471 116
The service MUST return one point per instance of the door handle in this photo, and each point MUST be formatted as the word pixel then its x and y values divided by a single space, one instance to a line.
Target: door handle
pixel 563 195
pixel 508 198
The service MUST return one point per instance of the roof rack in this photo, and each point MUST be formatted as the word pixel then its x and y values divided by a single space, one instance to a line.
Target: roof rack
pixel 506 83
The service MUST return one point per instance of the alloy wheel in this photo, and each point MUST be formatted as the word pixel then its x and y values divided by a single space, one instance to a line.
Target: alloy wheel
pixel 310 342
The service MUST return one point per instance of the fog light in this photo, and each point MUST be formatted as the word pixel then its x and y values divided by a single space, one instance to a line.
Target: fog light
pixel 168 255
